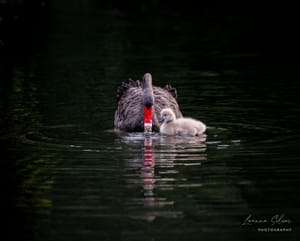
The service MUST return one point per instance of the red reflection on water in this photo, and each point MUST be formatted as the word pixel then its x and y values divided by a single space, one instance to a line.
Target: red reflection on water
pixel 148 172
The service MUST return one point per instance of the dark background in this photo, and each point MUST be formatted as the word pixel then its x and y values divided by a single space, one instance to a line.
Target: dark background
pixel 270 29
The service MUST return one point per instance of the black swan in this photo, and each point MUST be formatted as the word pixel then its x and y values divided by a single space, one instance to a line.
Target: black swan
pixel 182 126
pixel 136 101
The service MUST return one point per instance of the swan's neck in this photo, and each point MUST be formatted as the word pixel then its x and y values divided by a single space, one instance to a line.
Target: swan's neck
pixel 148 98
pixel 147 81
pixel 148 102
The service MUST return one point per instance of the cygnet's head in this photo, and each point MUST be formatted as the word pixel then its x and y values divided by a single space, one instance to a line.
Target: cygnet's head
pixel 167 115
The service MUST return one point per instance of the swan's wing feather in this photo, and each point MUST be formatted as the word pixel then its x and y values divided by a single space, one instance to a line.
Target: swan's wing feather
pixel 129 114
pixel 171 90
pixel 124 87
pixel 164 99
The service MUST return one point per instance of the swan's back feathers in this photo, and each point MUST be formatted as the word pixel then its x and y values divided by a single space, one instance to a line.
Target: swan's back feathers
pixel 129 114
pixel 132 84
pixel 171 90
pixel 124 87
pixel 165 99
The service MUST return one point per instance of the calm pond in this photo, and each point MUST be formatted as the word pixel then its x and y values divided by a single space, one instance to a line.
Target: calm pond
pixel 71 177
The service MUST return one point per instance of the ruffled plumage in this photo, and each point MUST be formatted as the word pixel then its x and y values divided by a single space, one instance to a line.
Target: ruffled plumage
pixel 130 96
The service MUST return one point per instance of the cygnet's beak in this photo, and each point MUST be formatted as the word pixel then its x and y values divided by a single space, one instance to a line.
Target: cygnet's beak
pixel 161 119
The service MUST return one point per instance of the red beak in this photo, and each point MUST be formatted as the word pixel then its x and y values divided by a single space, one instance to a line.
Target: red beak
pixel 148 119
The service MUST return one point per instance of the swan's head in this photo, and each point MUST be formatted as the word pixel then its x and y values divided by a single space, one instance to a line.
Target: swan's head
pixel 148 101
pixel 167 115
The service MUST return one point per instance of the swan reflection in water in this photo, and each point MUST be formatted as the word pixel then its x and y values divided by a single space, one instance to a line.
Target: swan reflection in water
pixel 158 160
pixel 147 172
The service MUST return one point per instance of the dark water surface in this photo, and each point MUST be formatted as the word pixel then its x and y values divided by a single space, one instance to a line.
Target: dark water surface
pixel 71 177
